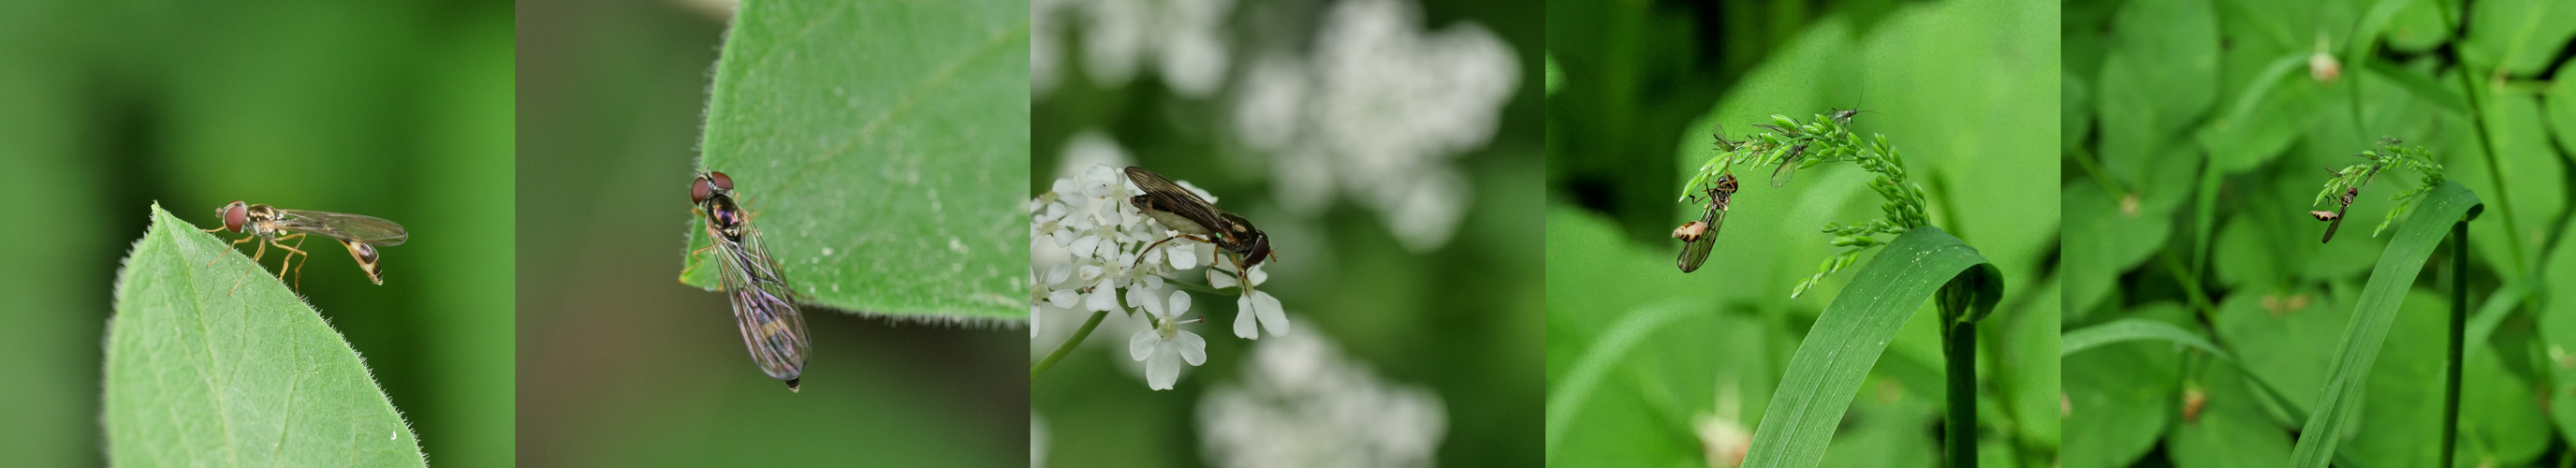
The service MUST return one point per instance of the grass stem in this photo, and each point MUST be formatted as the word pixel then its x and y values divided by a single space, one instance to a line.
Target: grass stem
pixel 1960 343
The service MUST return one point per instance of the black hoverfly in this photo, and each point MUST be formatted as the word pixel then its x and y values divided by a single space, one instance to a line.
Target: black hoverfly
pixel 1197 220
pixel 770 325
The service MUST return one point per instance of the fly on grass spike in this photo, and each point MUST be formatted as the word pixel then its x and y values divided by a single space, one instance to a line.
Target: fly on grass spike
pixel 1699 236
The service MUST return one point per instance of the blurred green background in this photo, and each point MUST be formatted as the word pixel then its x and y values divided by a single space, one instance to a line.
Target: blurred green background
pixel 619 363
pixel 2197 135
pixel 395 109
pixel 1453 314
pixel 1959 87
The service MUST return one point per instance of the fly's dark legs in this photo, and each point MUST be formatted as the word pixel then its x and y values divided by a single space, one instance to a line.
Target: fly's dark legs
pixel 282 266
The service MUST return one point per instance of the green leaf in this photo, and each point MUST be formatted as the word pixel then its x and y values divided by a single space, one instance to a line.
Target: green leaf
pixel 2561 102
pixel 883 147
pixel 201 373
pixel 2119 395
pixel 2423 87
pixel 2142 329
pixel 2377 308
pixel 1565 400
pixel 1848 337
pixel 2230 429
pixel 2519 37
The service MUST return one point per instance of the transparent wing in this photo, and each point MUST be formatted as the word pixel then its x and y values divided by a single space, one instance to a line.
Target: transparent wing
pixel 770 325
pixel 1171 197
pixel 1788 169
pixel 362 229
pixel 1695 252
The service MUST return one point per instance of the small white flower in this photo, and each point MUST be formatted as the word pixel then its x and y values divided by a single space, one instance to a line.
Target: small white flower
pixel 1302 403
pixel 1164 347
pixel 1182 37
pixel 1254 306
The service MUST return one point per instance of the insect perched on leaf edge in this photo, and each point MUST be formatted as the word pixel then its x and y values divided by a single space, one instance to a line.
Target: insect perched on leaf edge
pixel 273 226
pixel 757 285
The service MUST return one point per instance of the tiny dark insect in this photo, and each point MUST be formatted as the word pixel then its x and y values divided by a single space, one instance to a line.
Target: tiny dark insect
pixel 2334 219
pixel 1198 220
pixel 1699 236
pixel 360 234
pixel 769 323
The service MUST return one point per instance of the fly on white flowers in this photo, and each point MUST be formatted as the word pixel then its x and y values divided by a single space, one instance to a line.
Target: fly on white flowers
pixel 1099 257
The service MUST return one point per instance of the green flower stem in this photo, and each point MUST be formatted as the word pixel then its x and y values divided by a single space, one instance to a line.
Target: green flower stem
pixel 2459 330
pixel 1959 345
pixel 1067 347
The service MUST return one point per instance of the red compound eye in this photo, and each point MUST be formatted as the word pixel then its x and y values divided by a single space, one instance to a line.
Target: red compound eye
pixel 698 190
pixel 233 214
pixel 723 182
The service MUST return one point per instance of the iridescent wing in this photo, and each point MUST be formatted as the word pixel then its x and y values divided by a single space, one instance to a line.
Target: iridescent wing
pixel 1172 198
pixel 368 230
pixel 1695 251
pixel 770 325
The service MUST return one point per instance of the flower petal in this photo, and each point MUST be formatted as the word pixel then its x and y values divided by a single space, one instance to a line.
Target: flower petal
pixel 1034 321
pixel 1244 322
pixel 1259 275
pixel 1065 298
pixel 1183 259
pixel 1180 303
pixel 1139 297
pixel 1273 316
pixel 1100 300
pixel 1220 279
pixel 1059 272
pixel 1163 368
pixel 1142 344
pixel 1193 348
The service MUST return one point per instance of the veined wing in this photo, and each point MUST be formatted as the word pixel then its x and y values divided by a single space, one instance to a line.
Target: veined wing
pixel 1788 167
pixel 770 325
pixel 1695 252
pixel 1173 198
pixel 368 230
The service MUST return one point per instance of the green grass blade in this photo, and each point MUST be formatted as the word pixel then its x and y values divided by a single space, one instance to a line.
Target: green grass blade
pixel 1849 336
pixel 883 147
pixel 201 374
pixel 2142 329
pixel 2338 401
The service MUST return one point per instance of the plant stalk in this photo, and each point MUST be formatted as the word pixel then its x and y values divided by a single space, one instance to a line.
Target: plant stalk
pixel 1067 347
pixel 2459 331
pixel 1959 345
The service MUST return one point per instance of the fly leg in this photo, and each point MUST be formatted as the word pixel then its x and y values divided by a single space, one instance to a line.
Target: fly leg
pixel 1140 254
pixel 254 265
pixel 220 257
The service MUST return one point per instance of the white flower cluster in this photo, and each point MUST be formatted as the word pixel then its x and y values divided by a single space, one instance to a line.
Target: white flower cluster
pixel 1180 38
pixel 1304 404
pixel 1104 240
pixel 1378 112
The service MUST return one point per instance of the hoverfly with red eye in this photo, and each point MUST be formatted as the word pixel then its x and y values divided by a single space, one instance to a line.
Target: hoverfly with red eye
pixel 770 325
pixel 1699 236
pixel 273 226
pixel 1196 219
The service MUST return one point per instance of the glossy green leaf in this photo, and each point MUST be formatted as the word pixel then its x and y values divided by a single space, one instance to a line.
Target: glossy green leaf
pixel 222 364
pixel 1565 400
pixel 2518 37
pixel 2229 429
pixel 2120 394
pixel 2416 239
pixel 883 147
pixel 2421 85
pixel 1848 337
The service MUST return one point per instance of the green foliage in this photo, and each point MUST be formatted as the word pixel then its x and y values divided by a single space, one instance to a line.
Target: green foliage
pixel 223 363
pixel 1838 353
pixel 1825 139
pixel 882 147
pixel 1964 86
pixel 2369 328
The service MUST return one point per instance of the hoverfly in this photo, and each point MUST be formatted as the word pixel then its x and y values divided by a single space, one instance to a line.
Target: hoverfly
pixel 1788 167
pixel 2334 218
pixel 1197 220
pixel 769 323
pixel 360 234
pixel 1698 236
